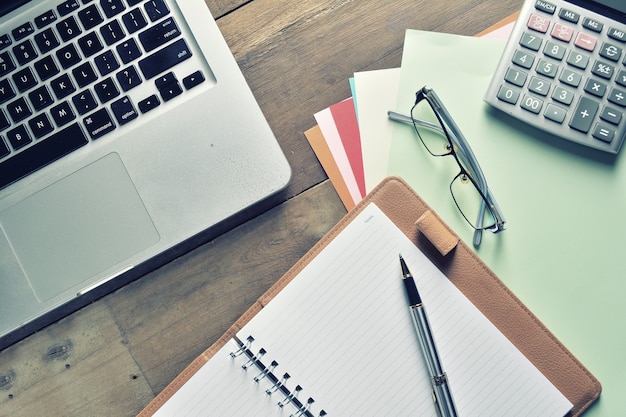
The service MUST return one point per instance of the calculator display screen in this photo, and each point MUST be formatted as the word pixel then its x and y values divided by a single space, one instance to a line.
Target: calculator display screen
pixel 618 5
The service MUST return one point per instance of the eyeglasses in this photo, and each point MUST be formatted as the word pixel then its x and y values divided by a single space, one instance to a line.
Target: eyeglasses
pixel 441 137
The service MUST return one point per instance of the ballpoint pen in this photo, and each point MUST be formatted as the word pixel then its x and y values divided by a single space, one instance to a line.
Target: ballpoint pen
pixel 441 390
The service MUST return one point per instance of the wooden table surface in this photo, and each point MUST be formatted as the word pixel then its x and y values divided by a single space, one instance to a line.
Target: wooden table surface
pixel 112 357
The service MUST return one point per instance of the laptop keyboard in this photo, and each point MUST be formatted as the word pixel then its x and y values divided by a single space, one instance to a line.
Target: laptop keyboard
pixel 70 76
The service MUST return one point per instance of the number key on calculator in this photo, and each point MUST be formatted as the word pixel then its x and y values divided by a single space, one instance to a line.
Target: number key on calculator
pixel 563 71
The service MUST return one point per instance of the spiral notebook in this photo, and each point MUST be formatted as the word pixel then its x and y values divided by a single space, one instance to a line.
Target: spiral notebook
pixel 334 335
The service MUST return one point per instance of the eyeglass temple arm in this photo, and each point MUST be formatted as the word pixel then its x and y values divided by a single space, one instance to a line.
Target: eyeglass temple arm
pixel 464 152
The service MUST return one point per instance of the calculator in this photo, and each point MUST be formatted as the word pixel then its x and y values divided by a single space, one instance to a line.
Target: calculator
pixel 563 71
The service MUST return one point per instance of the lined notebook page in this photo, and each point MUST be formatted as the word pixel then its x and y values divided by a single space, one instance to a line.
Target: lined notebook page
pixel 343 332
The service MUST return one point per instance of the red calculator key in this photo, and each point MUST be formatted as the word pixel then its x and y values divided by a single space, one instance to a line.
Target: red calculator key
pixel 538 23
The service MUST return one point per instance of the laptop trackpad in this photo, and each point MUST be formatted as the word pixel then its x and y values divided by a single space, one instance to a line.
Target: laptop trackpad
pixel 78 227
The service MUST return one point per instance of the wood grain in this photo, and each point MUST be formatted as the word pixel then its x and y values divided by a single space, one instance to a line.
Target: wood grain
pixel 113 356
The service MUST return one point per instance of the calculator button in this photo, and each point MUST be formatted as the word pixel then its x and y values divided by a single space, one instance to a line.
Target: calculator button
pixel 603 133
pixel 554 50
pixel 547 68
pixel 515 77
pixel 618 97
pixel 555 113
pixel 523 59
pixel 570 77
pixel 508 94
pixel 538 23
pixel 562 32
pixel 569 15
pixel 585 41
pixel 539 86
pixel 610 52
pixel 530 41
pixel 544 6
pixel 617 34
pixel 621 78
pixel 532 104
pixel 584 114
pixel 602 69
pixel 596 88
pixel 611 115
pixel 592 24
pixel 563 95
pixel 578 60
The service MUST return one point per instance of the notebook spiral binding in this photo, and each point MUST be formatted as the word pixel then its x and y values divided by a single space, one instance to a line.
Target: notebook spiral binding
pixel 303 407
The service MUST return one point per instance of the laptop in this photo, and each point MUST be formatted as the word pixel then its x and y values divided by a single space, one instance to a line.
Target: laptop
pixel 126 132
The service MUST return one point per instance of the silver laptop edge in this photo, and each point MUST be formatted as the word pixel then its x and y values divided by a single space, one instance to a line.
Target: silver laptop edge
pixel 184 169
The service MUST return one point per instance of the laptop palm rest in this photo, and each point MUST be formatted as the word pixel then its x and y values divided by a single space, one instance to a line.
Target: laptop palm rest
pixel 70 231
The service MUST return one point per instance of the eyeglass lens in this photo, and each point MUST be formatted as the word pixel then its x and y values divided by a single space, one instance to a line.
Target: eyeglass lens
pixel 470 202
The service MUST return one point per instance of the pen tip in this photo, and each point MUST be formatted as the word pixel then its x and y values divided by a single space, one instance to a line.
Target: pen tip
pixel 405 269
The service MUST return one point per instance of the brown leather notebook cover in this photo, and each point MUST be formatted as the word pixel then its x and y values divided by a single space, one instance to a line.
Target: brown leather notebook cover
pixel 460 264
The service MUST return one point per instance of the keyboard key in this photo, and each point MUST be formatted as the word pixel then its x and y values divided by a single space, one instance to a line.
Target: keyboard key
pixel 538 23
pixel 5 40
pixel 22 31
pixel 159 34
pixel 46 41
pixel 99 124
pixel 523 59
pixel 193 80
pixel 168 86
pixel 24 80
pixel 134 20
pixel 84 102
pixel 106 63
pixel 149 103
pixel 18 137
pixel 90 44
pixel 6 64
pixel 19 110
pixel 530 41
pixel 84 74
pixel 563 95
pixel 40 98
pixel 45 19
pixel 508 95
pixel 62 86
pixel 128 50
pixel 41 154
pixel 106 90
pixel 40 125
pixel 128 78
pixel 112 7
pixel 46 68
pixel 68 29
pixel 67 7
pixel 112 32
pixel 4 121
pixel 583 115
pixel 165 59
pixel 6 91
pixel 539 86
pixel 592 24
pixel 617 34
pixel 90 17
pixel 156 9
pixel 62 113
pixel 4 149
pixel 68 56
pixel 24 52
pixel 124 110
pixel 578 60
